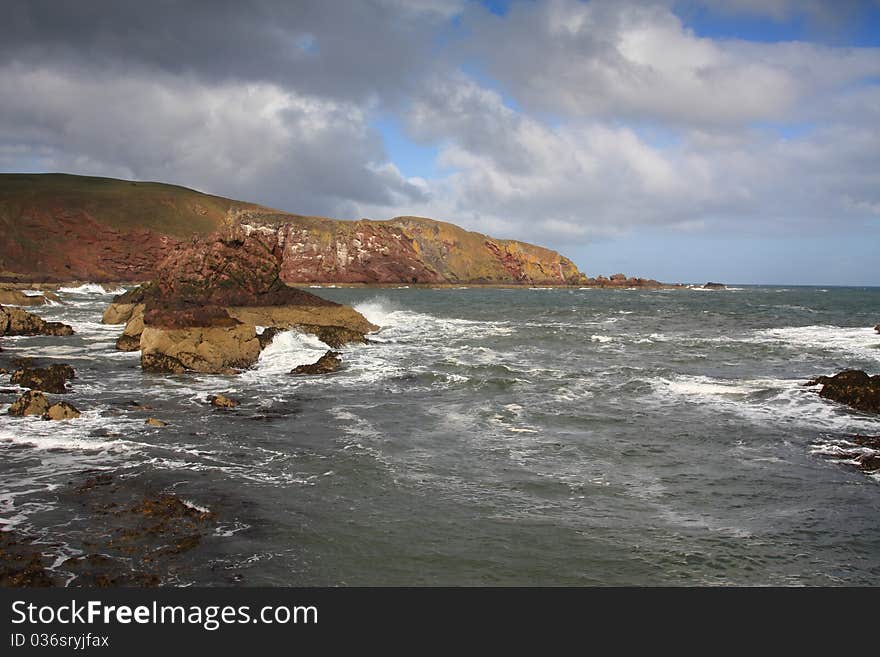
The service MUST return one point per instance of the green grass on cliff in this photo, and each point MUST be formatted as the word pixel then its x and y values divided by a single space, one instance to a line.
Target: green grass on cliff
pixel 120 204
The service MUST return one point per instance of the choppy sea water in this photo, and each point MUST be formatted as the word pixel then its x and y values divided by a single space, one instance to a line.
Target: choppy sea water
pixel 488 436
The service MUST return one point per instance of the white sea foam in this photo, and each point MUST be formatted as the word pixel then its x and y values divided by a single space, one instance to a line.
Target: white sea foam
pixel 89 288
pixel 766 401
pixel 601 338
pixel 286 351
pixel 861 342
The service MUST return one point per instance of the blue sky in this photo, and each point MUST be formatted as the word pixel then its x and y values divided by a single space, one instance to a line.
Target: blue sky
pixel 686 140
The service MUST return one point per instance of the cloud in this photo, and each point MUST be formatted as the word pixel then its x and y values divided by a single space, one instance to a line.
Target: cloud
pixel 254 141
pixel 638 61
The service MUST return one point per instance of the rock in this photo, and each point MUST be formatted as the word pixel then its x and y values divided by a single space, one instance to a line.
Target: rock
pixel 61 411
pixel 128 343
pixel 153 422
pixel 12 297
pixel 221 401
pixel 268 335
pixel 329 362
pixel 199 349
pixel 48 379
pixel 853 388
pixel 14 321
pixel 877 328
pixel 714 286
pixel 120 313
pixel 201 312
pixel 30 403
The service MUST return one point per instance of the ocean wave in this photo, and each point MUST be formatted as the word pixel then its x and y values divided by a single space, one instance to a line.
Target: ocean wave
pixel 784 402
pixel 90 288
pixel 287 350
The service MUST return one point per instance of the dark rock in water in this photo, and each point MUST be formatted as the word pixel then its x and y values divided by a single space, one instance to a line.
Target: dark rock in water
pixel 221 401
pixel 128 343
pixel 877 328
pixel 48 379
pixel 268 335
pixel 154 422
pixel 161 364
pixel 61 411
pixel 32 402
pixel 714 286
pixel 22 563
pixel 15 321
pixel 334 336
pixel 853 388
pixel 326 364
pixel 865 455
pixel 101 571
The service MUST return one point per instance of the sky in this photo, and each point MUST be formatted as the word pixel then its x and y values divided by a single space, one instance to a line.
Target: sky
pixel 694 140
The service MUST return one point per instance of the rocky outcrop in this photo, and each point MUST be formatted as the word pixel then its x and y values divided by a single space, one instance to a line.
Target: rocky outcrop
pixel 111 230
pixel 13 297
pixel 222 401
pixel 202 311
pixel 15 321
pixel 47 379
pixel 32 402
pixel 714 286
pixel 853 388
pixel 329 362
pixel 621 281
pixel 61 411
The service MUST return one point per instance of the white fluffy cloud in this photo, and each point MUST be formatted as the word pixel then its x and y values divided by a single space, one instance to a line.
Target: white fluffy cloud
pixel 253 141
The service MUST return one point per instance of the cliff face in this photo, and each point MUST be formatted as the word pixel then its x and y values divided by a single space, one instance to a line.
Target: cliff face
pixel 61 227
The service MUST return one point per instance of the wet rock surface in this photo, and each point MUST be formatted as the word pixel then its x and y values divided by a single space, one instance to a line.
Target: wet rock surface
pixel 15 321
pixel 130 536
pixel 858 451
pixel 329 362
pixel 854 388
pixel 222 401
pixel 32 402
pixel 46 379
pixel 61 411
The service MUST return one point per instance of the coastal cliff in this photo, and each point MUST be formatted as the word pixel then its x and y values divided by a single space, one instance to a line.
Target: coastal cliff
pixel 58 227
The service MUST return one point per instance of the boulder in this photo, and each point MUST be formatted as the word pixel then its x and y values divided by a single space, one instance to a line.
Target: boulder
pixel 877 328
pixel 853 388
pixel 48 379
pixel 15 321
pixel 714 286
pixel 120 313
pixel 32 402
pixel 61 411
pixel 222 401
pixel 214 350
pixel 153 422
pixel 329 362
pixel 13 297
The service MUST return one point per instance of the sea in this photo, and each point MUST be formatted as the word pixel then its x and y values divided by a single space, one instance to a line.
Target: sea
pixel 528 436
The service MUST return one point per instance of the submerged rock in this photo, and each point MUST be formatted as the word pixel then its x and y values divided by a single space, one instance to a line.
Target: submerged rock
pixel 61 411
pixel 853 388
pixel 15 321
pixel 32 402
pixel 329 362
pixel 154 422
pixel 221 401
pixel 48 379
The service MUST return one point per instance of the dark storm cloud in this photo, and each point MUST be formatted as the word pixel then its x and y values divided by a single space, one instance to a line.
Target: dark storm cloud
pixel 348 50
